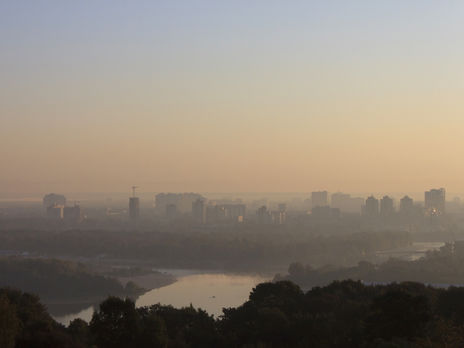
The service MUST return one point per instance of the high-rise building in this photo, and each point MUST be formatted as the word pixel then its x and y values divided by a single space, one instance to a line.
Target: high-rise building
pixel 134 208
pixel 319 198
pixel 406 205
pixel 371 209
pixel 279 217
pixel 221 213
pixel 235 212
pixel 435 202
pixel 386 206
pixel 199 211
pixel 183 202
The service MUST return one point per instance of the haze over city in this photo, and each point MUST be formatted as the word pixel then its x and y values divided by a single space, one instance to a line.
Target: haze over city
pixel 211 96
pixel 234 174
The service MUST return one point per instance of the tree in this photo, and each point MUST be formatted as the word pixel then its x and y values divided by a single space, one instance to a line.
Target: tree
pixel 116 324
pixel 284 295
pixel 9 323
pixel 153 333
pixel 80 331
pixel 398 314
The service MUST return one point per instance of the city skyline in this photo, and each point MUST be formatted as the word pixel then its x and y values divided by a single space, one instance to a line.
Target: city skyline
pixel 316 198
pixel 144 195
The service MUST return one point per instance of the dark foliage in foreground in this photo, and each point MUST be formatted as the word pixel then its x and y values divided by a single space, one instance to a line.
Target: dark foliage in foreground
pixel 342 314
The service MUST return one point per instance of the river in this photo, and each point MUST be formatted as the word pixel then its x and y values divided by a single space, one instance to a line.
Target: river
pixel 209 291
pixel 412 252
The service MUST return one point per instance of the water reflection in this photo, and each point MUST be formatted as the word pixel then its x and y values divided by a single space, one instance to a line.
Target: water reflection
pixel 210 292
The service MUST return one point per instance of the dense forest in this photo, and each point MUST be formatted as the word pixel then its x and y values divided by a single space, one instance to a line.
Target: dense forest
pixel 280 314
pixel 54 279
pixel 442 267
pixel 239 250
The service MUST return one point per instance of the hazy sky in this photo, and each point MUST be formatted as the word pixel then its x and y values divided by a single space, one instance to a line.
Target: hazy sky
pixel 231 95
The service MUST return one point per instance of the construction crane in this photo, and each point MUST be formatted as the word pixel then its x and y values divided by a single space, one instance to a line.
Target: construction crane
pixel 133 190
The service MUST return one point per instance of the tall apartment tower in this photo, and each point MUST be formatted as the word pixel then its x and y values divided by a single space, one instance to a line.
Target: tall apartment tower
pixel 406 205
pixel 199 211
pixel 435 202
pixel 386 206
pixel 372 207
pixel 134 206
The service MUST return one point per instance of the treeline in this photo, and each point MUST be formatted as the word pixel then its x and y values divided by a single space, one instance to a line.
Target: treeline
pixel 236 250
pixel 54 279
pixel 443 267
pixel 343 314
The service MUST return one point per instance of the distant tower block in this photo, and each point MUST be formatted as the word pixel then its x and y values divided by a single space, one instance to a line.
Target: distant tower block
pixel 199 211
pixel 386 207
pixel 134 206
pixel 406 205
pixel 435 202
pixel 371 209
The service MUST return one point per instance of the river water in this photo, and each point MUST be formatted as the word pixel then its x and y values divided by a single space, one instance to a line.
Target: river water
pixel 209 291
pixel 412 252
pixel 214 291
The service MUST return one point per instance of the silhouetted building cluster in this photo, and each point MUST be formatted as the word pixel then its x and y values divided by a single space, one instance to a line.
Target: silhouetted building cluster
pixel 182 201
pixel 276 217
pixel 213 213
pixel 180 209
pixel 434 206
